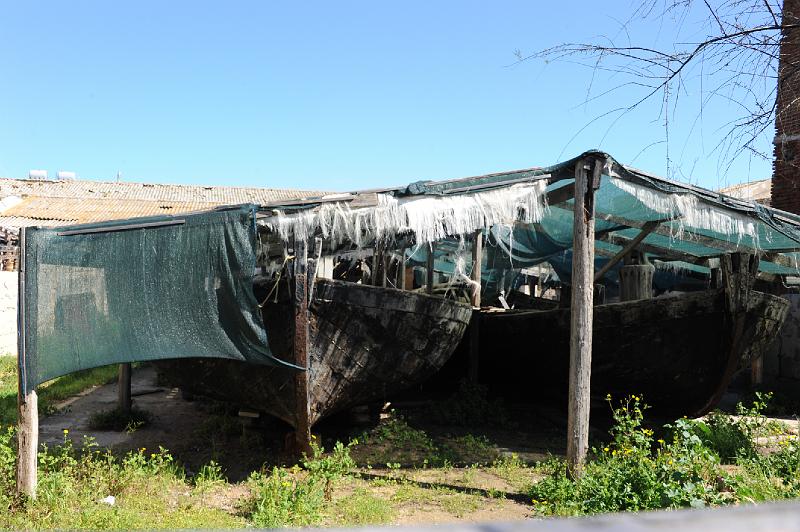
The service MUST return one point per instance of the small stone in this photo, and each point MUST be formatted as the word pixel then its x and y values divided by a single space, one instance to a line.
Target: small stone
pixel 110 500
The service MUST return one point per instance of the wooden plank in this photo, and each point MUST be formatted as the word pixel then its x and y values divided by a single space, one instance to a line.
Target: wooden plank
pixel 646 230
pixel 581 315
pixel 27 401
pixel 124 388
pixel 302 413
pixel 474 328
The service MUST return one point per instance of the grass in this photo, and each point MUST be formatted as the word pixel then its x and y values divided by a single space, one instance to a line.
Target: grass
pixel 118 420
pixel 397 472
pixel 50 392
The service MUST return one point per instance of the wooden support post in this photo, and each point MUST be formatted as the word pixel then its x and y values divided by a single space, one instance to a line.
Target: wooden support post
pixel 124 388
pixel 401 268
pixel 474 326
pixel 580 345
pixel 384 268
pixel 302 413
pixel 429 270
pixel 28 443
pixel 376 259
pixel 757 371
pixel 27 401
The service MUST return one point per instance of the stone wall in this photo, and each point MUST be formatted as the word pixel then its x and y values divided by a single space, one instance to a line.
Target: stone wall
pixel 8 313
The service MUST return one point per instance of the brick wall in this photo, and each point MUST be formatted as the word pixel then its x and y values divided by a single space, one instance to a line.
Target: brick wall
pixel 786 165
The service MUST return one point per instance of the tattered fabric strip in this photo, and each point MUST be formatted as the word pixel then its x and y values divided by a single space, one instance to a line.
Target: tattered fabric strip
pixel 428 218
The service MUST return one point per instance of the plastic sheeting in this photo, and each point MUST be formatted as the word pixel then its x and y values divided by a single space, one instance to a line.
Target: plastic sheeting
pixel 146 289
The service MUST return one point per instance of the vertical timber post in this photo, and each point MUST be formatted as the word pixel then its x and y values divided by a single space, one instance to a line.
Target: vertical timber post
pixel 429 270
pixel 302 426
pixel 474 328
pixel 27 401
pixel 124 388
pixel 581 309
pixel 401 268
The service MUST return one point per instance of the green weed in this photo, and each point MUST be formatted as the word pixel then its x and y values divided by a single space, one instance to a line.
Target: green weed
pixel 118 420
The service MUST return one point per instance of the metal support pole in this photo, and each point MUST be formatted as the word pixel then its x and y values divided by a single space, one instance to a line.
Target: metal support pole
pixel 580 363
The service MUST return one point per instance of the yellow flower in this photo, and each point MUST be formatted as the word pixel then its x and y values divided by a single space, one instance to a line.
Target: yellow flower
pixel 605 449
pixel 66 431
pixel 660 440
pixel 670 462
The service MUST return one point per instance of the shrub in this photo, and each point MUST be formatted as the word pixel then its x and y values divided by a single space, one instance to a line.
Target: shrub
pixel 634 472
pixel 292 497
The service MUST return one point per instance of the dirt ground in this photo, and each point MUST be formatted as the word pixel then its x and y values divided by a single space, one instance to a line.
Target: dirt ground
pixel 198 431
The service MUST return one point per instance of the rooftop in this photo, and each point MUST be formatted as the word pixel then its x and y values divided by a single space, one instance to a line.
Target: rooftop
pixel 28 202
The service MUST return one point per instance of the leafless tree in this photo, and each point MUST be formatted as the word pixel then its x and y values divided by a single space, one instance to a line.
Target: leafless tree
pixel 733 57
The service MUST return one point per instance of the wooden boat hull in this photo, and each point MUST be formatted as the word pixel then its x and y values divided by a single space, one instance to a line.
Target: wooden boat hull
pixel 365 344
pixel 679 353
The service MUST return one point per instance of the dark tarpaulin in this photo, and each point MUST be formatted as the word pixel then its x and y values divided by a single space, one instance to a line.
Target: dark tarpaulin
pixel 144 289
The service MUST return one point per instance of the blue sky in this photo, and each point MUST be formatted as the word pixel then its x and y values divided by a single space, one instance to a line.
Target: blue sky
pixel 324 95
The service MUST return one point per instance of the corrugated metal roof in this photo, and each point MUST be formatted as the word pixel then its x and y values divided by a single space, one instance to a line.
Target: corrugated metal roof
pixel 52 203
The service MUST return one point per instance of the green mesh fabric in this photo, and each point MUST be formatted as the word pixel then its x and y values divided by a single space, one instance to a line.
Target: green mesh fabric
pixel 145 289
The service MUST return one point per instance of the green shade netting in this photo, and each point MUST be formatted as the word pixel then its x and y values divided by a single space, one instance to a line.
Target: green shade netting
pixel 178 287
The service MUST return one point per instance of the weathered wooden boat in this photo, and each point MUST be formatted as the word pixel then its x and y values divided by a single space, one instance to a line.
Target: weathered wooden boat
pixel 365 344
pixel 678 352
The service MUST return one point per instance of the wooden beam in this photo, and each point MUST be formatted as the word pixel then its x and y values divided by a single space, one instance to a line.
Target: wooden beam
pixel 646 230
pixel 27 401
pixel 474 327
pixel 580 345
pixel 124 388
pixel 658 251
pixel 302 413
pixel 561 195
